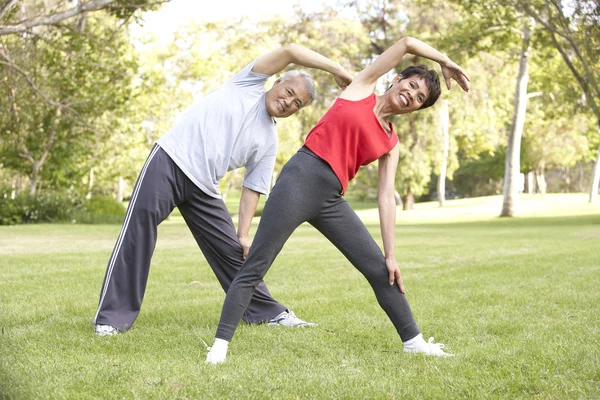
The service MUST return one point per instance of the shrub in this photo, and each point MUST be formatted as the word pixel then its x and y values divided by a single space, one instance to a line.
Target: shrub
pixel 100 210
pixel 47 207
pixel 59 207
pixel 11 211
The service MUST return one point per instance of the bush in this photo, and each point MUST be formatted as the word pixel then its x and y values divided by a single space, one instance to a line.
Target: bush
pixel 49 207
pixel 59 207
pixel 11 211
pixel 101 210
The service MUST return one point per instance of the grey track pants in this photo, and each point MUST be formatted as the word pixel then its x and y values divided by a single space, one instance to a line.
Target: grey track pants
pixel 308 191
pixel 162 186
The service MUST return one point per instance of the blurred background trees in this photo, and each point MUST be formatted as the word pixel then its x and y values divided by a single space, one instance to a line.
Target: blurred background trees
pixel 84 99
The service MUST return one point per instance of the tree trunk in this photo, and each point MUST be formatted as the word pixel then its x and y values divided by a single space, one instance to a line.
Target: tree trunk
pixel 540 179
pixel 120 189
pixel 530 182
pixel 90 184
pixel 397 198
pixel 596 175
pixel 567 180
pixel 36 165
pixel 444 122
pixel 513 152
pixel 13 188
pixel 33 178
pixel 408 201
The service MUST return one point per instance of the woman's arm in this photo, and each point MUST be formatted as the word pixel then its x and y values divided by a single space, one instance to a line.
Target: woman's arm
pixel 364 82
pixel 275 61
pixel 387 213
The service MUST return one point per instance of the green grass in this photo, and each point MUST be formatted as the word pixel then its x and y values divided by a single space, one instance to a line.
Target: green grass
pixel 516 300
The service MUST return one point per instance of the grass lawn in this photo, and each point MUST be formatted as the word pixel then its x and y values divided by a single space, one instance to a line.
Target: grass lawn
pixel 517 300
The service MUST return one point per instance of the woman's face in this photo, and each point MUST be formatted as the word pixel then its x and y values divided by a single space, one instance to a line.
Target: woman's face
pixel 406 94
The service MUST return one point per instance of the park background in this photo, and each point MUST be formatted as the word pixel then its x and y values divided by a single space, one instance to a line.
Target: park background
pixel 88 86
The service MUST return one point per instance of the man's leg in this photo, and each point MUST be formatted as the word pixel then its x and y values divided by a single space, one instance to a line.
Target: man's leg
pixel 154 197
pixel 213 229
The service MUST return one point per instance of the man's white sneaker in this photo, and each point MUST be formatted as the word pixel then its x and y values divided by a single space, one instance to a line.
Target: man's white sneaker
pixel 419 345
pixel 105 330
pixel 289 319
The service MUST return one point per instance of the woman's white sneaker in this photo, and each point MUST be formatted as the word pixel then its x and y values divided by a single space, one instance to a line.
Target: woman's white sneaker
pixel 419 345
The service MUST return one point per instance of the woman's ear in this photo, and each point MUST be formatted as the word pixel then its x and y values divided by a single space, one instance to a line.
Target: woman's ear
pixel 397 79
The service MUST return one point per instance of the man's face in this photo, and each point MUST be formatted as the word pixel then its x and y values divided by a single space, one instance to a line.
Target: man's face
pixel 285 98
pixel 408 94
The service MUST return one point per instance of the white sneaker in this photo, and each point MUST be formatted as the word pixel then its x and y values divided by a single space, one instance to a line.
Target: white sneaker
pixel 105 330
pixel 218 352
pixel 418 345
pixel 289 319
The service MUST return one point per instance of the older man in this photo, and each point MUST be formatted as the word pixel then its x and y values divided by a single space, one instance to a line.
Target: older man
pixel 230 128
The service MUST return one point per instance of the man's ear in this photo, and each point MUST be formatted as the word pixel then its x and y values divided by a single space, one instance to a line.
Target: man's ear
pixel 277 82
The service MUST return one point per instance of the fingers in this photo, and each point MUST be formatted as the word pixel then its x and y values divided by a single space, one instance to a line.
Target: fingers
pixel 448 82
pixel 245 252
pixel 400 282
pixel 401 286
pixel 391 277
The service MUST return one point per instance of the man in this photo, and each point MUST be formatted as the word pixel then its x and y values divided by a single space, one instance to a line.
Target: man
pixel 230 128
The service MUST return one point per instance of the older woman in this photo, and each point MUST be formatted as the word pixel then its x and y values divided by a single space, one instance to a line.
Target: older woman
pixel 354 132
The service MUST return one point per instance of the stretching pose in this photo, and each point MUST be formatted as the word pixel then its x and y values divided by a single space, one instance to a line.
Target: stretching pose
pixel 354 132
pixel 230 128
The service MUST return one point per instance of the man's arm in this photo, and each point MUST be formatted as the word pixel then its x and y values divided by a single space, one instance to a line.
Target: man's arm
pixel 275 61
pixel 248 203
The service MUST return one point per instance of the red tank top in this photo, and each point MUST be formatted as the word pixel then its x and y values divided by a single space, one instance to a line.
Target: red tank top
pixel 349 135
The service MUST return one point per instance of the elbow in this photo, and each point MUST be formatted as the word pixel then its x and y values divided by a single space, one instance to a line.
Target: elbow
pixel 290 51
pixel 407 41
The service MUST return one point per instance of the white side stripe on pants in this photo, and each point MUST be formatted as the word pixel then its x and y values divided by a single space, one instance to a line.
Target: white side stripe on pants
pixel 117 249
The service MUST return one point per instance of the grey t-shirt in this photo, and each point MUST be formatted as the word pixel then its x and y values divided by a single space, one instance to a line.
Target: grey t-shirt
pixel 227 129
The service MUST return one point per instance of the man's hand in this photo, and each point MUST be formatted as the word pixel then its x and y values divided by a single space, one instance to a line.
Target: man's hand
pixel 342 77
pixel 394 274
pixel 246 243
pixel 451 70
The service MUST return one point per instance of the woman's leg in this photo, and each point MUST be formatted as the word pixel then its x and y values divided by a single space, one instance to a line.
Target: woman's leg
pixel 340 224
pixel 298 196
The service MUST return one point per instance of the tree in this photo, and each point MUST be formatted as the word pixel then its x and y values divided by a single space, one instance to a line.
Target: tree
pixel 574 30
pixel 23 19
pixel 58 83
pixel 513 154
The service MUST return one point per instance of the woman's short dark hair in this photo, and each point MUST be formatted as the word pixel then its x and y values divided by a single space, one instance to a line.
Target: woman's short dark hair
pixel 431 80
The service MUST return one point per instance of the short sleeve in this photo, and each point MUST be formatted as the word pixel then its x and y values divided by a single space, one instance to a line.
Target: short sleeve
pixel 247 78
pixel 258 175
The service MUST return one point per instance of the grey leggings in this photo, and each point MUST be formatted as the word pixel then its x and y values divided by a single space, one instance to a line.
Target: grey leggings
pixel 308 191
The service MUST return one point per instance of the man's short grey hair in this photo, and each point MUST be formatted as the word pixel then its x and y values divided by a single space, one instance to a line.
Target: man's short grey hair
pixel 309 83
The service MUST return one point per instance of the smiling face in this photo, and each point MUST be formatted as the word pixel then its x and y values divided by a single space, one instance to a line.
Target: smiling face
pixel 406 95
pixel 287 97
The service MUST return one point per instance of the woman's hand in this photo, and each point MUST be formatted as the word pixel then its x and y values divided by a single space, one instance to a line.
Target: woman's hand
pixel 394 274
pixel 451 70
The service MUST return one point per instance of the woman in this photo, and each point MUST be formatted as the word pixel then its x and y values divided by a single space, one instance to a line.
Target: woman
pixel 354 132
